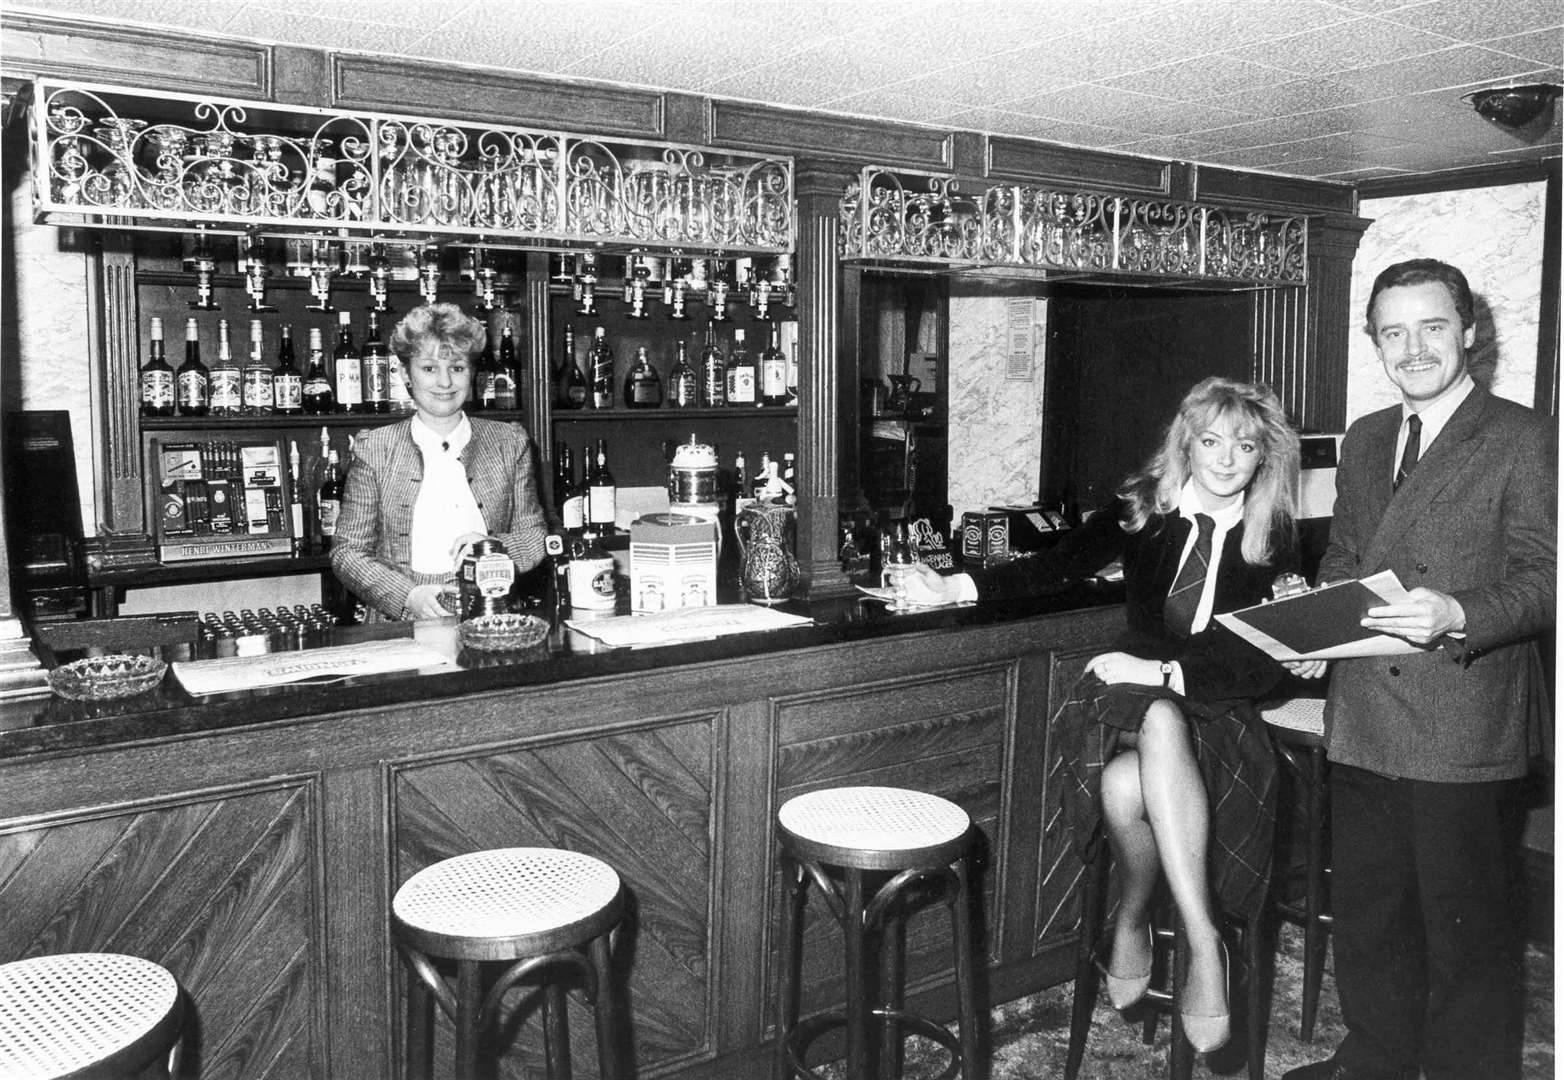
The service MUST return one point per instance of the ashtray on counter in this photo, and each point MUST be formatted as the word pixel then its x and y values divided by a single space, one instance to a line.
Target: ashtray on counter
pixel 99 678
pixel 503 633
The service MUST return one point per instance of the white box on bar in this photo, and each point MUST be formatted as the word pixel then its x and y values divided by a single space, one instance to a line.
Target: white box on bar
pixel 673 562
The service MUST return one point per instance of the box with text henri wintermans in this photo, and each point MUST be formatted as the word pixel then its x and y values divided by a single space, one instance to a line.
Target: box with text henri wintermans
pixel 219 498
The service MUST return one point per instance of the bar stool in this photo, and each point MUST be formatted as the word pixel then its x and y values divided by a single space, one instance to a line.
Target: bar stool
pixel 865 848
pixel 87 1016
pixel 545 910
pixel 1297 727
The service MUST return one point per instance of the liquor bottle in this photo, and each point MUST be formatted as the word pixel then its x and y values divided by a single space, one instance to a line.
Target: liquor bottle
pixel 328 503
pixel 295 496
pixel 763 475
pixel 157 378
pixel 318 396
pixel 256 389
pixel 227 397
pixel 741 372
pixel 600 492
pixel 773 372
pixel 714 370
pixel 287 380
pixel 601 361
pixel 374 365
pixel 740 478
pixel 789 479
pixel 683 383
pixel 349 388
pixel 570 386
pixel 481 397
pixel 192 384
pixel 564 473
pixel 396 379
pixel 643 386
pixel 506 390
pixel 573 511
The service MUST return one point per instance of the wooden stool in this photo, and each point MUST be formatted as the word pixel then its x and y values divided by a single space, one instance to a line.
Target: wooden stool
pixel 835 838
pixel 1169 970
pixel 87 1015
pixel 1297 727
pixel 536 907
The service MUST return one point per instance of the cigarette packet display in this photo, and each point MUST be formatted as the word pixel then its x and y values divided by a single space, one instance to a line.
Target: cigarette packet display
pixel 219 499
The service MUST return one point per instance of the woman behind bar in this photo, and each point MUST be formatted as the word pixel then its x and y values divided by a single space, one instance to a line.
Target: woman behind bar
pixel 421 492
pixel 1162 729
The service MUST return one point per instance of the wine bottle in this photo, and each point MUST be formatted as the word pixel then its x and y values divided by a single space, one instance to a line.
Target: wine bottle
pixel 683 384
pixel 192 384
pixel 287 380
pixel 318 396
pixel 256 381
pixel 570 386
pixel 328 502
pixel 643 386
pixel 563 471
pixel 349 388
pixel 506 391
pixel 714 370
pixel 374 365
pixel 601 361
pixel 600 492
pixel 741 372
pixel 227 397
pixel 575 508
pixel 773 372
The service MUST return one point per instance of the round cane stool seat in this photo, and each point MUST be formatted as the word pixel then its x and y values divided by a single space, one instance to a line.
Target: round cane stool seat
pixel 1297 716
pixel 873 828
pixel 85 1014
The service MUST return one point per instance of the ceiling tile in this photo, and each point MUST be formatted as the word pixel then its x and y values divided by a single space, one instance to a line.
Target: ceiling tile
pixel 1463 65
pixel 298 28
pixel 1215 77
pixel 1085 103
pixel 977 82
pixel 1544 46
pixel 681 51
pixel 1464 20
pixel 1291 97
pixel 889 103
pixel 1360 43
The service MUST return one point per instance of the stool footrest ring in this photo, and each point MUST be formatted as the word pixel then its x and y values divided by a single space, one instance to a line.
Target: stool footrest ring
pixel 806 1031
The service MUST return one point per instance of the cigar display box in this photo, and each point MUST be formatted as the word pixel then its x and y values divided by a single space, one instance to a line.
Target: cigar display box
pixel 219 499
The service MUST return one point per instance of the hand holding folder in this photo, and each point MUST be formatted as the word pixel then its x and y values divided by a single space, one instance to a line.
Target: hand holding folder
pixel 1323 623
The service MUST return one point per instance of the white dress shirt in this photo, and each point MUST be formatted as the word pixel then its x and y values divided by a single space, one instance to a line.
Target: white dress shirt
pixel 445 508
pixel 1434 418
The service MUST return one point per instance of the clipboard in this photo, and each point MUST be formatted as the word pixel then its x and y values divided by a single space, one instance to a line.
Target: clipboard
pixel 1322 624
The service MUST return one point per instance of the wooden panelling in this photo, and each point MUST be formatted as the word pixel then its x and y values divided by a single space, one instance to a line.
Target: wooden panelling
pixel 1027 160
pixel 134 56
pixel 220 888
pixel 1294 195
pixel 440 90
pixel 838 138
pixel 1058 908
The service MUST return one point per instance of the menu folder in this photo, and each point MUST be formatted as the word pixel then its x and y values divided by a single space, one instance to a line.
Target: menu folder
pixel 1322 623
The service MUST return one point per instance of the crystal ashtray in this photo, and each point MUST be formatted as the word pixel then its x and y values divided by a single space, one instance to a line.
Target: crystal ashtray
pixel 503 633
pixel 98 678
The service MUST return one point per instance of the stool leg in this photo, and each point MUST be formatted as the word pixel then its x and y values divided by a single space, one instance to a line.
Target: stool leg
pixel 556 1033
pixel 420 1030
pixel 610 1053
pixel 1093 886
pixel 1259 1021
pixel 469 1000
pixel 892 995
pixel 1314 890
pixel 794 890
pixel 857 982
pixel 966 983
pixel 1181 1055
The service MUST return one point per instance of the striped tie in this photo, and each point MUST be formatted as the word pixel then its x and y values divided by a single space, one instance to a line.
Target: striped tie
pixel 1178 614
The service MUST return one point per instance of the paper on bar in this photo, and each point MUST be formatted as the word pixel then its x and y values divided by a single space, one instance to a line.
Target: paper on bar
pixel 1328 614
pixel 231 673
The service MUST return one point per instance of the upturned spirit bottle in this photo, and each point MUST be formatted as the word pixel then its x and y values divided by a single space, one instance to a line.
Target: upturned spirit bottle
pixel 192 383
pixel 643 386
pixel 226 380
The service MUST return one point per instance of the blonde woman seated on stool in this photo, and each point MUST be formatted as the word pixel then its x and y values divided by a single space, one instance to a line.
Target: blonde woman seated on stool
pixel 1163 729
pixel 420 493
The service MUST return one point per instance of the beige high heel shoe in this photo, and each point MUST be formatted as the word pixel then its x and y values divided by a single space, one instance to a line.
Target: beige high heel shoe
pixel 1126 990
pixel 1208 1033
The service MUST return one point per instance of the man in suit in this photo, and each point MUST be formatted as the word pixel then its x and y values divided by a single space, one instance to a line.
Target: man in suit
pixel 1454 490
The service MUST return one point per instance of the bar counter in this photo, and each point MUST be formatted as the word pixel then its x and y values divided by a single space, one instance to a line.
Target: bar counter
pixel 251 842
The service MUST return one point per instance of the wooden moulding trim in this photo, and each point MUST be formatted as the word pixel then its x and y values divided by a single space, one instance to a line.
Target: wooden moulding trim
pixel 137 56
pixel 403 86
pixel 839 138
pixel 1030 161
pixel 1236 187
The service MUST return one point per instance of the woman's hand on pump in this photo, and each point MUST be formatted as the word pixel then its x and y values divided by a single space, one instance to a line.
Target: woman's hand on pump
pixel 423 602
pixel 1121 667
pixel 461 547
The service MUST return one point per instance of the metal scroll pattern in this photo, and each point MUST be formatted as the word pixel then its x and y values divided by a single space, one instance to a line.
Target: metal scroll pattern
pixel 928 219
pixel 373 174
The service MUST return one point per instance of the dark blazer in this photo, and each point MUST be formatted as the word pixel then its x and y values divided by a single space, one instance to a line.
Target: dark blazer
pixel 372 552
pixel 1217 664
pixel 1475 519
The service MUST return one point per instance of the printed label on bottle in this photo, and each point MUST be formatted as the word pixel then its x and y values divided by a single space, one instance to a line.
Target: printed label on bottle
pixel 288 390
pixel 225 389
pixel 329 509
pixel 192 389
pixel 573 513
pixel 397 381
pixel 257 388
pixel 741 386
pixel 493 574
pixel 774 376
pixel 349 386
pixel 157 388
pixel 592 583
pixel 601 505
pixel 645 392
pixel 376 379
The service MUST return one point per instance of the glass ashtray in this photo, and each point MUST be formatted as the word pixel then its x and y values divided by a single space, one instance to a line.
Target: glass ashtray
pixel 503 633
pixel 99 678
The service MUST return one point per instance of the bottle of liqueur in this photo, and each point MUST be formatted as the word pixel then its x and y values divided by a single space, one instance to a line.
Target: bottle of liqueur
pixel 374 365
pixel 683 383
pixel 226 380
pixel 192 384
pixel 318 395
pixel 506 389
pixel 643 386
pixel 714 370
pixel 600 493
pixel 287 380
pixel 570 386
pixel 329 501
pixel 601 360
pixel 773 371
pixel 349 386
pixel 256 381
pixel 157 378
pixel 741 372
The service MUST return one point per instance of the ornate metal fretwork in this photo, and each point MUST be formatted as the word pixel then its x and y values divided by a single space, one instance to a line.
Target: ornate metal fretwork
pixel 925 219
pixel 133 159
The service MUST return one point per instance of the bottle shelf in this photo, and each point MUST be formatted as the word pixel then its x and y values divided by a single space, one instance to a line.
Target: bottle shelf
pixel 668 412
pixel 303 420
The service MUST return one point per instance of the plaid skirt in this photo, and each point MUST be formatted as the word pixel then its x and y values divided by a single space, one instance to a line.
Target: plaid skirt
pixel 1235 759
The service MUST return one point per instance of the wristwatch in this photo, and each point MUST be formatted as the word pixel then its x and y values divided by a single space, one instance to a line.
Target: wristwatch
pixel 1166 667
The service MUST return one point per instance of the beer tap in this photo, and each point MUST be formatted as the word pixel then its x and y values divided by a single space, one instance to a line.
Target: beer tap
pixel 252 263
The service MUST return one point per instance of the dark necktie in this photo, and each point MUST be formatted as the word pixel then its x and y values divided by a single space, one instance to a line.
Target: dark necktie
pixel 1178 614
pixel 1409 454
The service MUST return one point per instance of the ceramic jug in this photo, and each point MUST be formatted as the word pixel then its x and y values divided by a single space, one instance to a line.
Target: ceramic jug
pixel 902 389
pixel 767 569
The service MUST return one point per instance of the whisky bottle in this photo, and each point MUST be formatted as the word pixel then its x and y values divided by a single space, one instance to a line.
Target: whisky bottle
pixel 683 384
pixel 227 397
pixel 773 372
pixel 643 386
pixel 287 380
pixel 318 396
pixel 506 390
pixel 396 379
pixel 328 502
pixel 601 360
pixel 192 384
pixel 256 389
pixel 349 388
pixel 374 364
pixel 741 372
pixel 714 370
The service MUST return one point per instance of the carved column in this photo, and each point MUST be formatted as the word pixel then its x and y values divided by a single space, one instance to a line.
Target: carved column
pixel 818 265
pixel 538 386
pixel 113 337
